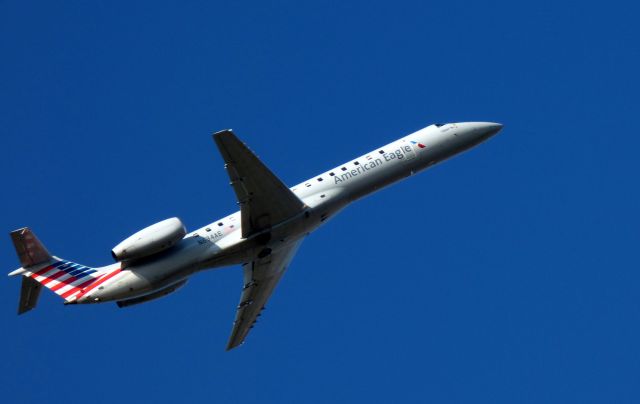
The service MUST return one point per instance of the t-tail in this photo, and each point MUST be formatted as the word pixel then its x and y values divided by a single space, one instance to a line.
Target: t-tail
pixel 39 268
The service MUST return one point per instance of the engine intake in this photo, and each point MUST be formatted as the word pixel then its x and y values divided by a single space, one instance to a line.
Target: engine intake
pixel 150 240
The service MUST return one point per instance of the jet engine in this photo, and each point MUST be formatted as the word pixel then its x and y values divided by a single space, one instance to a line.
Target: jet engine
pixel 150 240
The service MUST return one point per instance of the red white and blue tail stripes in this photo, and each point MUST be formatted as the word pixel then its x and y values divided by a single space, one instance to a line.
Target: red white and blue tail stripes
pixel 68 279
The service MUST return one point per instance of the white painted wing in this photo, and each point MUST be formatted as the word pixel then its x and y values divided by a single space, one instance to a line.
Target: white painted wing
pixel 260 279
pixel 264 200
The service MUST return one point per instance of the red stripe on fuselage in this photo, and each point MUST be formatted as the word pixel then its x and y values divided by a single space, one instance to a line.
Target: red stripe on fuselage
pixel 63 283
pixel 43 270
pixel 87 283
pixel 53 277
pixel 98 282
pixel 69 292
pixel 78 288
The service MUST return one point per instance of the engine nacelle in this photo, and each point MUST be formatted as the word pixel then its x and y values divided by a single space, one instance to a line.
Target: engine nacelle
pixel 150 240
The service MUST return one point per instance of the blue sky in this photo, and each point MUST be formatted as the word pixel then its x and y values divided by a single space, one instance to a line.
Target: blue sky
pixel 506 275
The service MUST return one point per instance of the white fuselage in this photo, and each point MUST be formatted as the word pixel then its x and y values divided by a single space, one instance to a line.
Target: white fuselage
pixel 220 243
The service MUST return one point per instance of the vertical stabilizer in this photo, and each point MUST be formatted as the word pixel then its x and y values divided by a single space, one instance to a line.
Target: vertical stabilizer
pixel 39 268
pixel 30 250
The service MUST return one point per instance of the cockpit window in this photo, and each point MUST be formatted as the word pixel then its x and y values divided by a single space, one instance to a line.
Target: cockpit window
pixel 439 124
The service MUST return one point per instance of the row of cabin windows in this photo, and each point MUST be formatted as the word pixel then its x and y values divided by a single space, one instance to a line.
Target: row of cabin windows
pixel 209 229
pixel 320 179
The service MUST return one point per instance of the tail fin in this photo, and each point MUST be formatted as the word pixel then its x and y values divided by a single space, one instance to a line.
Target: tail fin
pixel 40 268
pixel 30 250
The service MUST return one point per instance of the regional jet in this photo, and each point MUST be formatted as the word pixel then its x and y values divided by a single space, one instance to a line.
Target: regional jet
pixel 263 236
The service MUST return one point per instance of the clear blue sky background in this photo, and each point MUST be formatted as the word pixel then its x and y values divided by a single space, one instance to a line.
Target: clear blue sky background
pixel 506 275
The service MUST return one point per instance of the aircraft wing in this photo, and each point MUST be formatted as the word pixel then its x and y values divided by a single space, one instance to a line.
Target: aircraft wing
pixel 260 279
pixel 264 200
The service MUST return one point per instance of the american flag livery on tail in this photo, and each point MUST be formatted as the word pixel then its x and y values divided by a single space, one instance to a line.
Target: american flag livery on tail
pixel 67 279
pixel 262 237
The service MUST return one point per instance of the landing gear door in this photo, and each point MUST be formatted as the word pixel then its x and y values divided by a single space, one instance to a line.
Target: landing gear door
pixel 408 150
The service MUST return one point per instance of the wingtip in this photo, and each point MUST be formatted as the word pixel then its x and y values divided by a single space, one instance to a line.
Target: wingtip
pixel 233 344
pixel 222 132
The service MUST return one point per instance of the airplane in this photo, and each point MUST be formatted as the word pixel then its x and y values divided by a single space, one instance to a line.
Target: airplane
pixel 263 236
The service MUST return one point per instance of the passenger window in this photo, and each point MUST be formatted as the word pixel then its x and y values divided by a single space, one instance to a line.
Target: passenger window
pixel 208 229
pixel 331 174
pixel 356 163
pixel 381 151
pixel 219 223
pixel 344 168
pixel 307 185
pixel 319 179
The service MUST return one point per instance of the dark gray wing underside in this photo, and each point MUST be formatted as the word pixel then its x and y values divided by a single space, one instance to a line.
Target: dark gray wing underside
pixel 264 199
pixel 260 279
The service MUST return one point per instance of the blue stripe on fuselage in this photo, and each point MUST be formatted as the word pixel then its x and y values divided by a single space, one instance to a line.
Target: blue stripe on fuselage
pixel 73 269
pixel 78 270
pixel 82 275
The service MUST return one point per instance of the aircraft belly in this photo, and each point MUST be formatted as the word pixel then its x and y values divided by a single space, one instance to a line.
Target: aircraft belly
pixel 139 280
pixel 132 284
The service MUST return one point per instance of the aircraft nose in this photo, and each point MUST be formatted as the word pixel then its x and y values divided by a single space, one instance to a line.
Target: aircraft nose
pixel 487 129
